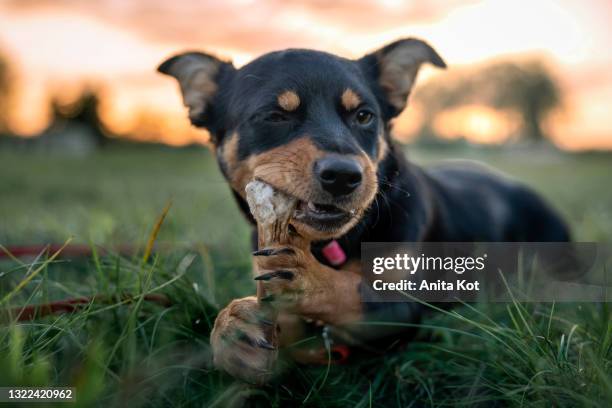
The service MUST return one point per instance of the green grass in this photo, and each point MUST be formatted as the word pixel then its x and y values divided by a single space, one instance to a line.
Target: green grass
pixel 124 349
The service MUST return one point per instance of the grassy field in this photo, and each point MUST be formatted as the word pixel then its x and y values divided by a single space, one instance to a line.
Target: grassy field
pixel 123 349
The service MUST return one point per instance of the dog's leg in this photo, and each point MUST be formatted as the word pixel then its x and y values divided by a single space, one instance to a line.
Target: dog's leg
pixel 294 281
pixel 239 342
pixel 245 335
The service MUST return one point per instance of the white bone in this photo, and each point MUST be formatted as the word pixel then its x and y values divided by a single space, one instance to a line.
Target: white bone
pixel 267 204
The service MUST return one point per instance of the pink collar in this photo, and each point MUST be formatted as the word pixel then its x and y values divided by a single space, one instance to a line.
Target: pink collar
pixel 334 253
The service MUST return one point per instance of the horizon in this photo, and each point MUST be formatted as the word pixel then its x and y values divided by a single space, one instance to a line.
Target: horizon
pixel 119 46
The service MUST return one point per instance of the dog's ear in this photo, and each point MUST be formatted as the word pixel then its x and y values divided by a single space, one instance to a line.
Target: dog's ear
pixel 200 77
pixel 394 70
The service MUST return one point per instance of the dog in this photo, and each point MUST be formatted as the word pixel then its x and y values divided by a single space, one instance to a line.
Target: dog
pixel 317 127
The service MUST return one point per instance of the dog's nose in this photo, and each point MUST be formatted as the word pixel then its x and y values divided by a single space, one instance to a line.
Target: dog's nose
pixel 338 175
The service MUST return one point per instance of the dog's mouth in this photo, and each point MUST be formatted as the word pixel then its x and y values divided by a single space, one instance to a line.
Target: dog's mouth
pixel 322 219
pixel 322 216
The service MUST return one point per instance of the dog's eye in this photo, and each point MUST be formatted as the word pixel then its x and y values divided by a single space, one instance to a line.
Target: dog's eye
pixel 364 117
pixel 275 117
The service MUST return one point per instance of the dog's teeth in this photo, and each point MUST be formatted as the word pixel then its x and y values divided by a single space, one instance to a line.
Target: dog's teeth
pixel 353 211
pixel 312 207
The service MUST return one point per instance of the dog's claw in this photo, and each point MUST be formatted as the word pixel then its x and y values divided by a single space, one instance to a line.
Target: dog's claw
pixel 282 274
pixel 267 322
pixel 265 344
pixel 270 251
pixel 242 336
pixel 263 252
pixel 262 343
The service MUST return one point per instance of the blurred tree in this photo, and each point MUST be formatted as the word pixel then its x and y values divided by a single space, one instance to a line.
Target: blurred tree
pixel 6 93
pixel 528 88
pixel 81 112
pixel 439 95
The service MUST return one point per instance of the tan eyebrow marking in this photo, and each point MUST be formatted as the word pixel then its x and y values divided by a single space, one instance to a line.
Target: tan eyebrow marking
pixel 350 100
pixel 288 100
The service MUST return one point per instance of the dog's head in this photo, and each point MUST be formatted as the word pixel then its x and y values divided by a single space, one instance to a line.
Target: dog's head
pixel 311 124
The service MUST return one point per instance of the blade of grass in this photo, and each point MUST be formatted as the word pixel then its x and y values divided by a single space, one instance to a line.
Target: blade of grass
pixel 11 256
pixel 155 232
pixel 31 276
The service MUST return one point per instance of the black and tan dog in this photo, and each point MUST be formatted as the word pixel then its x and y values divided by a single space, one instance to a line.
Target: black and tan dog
pixel 317 126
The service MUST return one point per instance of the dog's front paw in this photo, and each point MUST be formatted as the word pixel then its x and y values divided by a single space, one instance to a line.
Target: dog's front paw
pixel 294 281
pixel 240 342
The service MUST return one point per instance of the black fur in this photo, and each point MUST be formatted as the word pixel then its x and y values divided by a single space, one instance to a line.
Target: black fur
pixel 319 79
pixel 450 202
pixel 453 202
pixel 457 201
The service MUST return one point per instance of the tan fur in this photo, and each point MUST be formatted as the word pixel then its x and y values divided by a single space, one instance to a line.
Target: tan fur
pixel 288 101
pixel 317 291
pixel 325 294
pixel 242 360
pixel 288 168
pixel 350 100
pixel 383 148
pixel 228 151
pixel 353 266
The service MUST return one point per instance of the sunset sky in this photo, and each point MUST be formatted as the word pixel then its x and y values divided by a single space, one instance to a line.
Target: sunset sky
pixel 56 45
